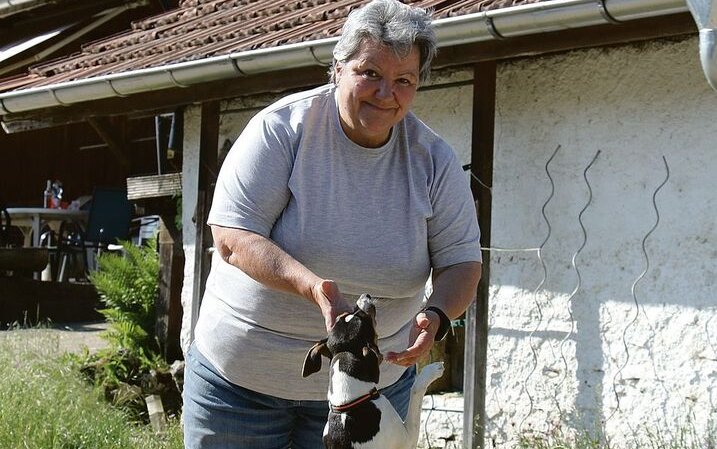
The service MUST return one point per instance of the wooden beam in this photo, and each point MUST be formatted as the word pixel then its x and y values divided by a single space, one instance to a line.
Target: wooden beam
pixel 208 169
pixel 474 379
pixel 34 124
pixel 31 301
pixel 115 141
pixel 169 305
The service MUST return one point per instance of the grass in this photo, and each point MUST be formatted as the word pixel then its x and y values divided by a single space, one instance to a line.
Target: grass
pixel 44 404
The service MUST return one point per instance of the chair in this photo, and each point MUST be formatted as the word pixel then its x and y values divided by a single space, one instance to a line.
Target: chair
pixel 108 222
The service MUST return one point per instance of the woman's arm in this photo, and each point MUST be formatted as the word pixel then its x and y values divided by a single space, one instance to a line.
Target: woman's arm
pixel 454 289
pixel 265 262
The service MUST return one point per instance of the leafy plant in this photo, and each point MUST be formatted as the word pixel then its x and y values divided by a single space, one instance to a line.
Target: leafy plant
pixel 131 367
pixel 128 284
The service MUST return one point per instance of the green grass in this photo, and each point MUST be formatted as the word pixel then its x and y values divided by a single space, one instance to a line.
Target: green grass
pixel 44 404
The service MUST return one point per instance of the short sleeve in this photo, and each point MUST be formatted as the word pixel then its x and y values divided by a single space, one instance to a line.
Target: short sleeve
pixel 252 186
pixel 453 233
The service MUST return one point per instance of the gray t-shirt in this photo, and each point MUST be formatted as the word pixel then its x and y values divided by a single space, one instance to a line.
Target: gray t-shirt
pixel 375 220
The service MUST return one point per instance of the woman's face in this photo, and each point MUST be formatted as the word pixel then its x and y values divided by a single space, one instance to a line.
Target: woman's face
pixel 375 91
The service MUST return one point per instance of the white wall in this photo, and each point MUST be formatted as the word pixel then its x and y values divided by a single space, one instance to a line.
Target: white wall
pixel 556 358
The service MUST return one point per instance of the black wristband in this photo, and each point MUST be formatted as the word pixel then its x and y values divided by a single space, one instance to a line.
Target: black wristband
pixel 445 322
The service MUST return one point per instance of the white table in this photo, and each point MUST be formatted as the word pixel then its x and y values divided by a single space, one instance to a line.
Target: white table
pixel 31 219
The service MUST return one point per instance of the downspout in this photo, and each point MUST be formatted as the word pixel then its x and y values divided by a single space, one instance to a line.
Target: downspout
pixel 508 22
pixel 705 15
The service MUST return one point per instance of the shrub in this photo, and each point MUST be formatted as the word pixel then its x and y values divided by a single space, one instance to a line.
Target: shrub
pixel 131 367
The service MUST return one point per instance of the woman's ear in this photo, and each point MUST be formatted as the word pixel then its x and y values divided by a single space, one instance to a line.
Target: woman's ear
pixel 337 68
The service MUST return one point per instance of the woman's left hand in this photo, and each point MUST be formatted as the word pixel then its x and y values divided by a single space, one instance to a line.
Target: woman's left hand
pixel 420 342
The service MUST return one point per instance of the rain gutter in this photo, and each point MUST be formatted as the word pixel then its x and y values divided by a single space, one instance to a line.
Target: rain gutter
pixel 503 23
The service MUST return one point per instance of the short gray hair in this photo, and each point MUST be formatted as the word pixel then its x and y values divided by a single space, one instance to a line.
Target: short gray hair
pixel 391 23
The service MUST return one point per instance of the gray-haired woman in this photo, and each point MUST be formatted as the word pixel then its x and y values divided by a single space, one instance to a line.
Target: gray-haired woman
pixel 328 194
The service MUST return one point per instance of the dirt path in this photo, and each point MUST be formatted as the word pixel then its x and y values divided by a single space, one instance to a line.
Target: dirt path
pixel 71 337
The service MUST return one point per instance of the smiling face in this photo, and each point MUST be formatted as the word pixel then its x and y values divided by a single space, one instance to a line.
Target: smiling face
pixel 375 91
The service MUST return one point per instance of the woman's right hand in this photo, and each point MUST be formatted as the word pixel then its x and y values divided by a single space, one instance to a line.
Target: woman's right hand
pixel 330 300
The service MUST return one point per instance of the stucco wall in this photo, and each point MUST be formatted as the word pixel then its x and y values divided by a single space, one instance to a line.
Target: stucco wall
pixel 567 348
pixel 567 341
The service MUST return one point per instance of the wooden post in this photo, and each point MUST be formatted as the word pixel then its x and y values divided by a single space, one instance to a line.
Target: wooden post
pixel 474 379
pixel 169 305
pixel 208 170
pixel 199 169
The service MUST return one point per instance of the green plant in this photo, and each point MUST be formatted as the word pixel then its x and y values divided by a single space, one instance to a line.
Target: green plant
pixel 131 367
pixel 128 284
pixel 45 405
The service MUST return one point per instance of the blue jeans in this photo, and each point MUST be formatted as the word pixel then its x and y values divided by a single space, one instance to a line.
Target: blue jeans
pixel 220 415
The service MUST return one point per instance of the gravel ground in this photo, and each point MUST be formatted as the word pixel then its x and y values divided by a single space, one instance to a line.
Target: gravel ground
pixel 442 421
pixel 70 337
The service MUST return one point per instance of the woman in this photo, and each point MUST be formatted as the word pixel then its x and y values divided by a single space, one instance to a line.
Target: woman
pixel 328 194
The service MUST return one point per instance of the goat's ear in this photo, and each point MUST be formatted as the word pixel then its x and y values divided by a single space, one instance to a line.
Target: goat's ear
pixel 312 362
pixel 372 351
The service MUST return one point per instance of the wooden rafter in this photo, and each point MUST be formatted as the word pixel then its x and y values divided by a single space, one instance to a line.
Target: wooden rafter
pixel 115 141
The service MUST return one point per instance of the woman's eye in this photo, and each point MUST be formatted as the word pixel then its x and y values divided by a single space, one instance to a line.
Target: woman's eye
pixel 370 74
pixel 404 82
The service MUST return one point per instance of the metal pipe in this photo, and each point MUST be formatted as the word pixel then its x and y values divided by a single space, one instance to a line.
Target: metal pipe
pixel 507 22
pixel 705 14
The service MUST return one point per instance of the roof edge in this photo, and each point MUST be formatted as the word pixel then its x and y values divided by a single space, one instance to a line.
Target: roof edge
pixel 553 15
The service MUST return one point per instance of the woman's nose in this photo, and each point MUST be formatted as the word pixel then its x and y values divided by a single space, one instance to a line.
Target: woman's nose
pixel 385 90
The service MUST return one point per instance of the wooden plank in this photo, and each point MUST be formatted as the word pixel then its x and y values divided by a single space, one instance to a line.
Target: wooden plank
pixel 24 259
pixel 474 380
pixel 114 140
pixel 28 301
pixel 154 186
pixel 171 276
pixel 208 168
